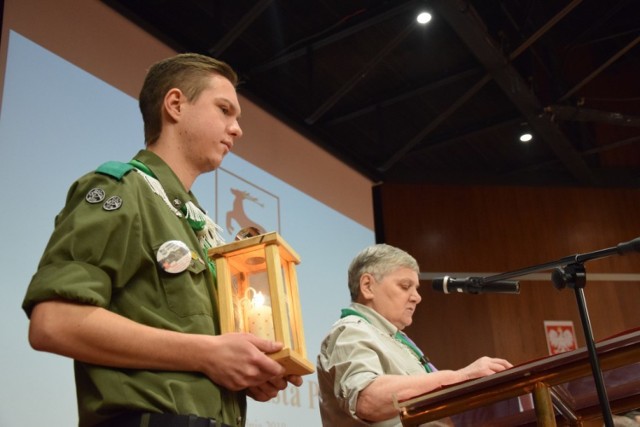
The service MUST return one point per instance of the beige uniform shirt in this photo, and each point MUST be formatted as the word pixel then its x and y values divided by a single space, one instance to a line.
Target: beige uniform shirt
pixel 353 354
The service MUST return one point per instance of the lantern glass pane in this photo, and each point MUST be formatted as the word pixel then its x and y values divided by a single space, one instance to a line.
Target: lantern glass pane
pixel 252 298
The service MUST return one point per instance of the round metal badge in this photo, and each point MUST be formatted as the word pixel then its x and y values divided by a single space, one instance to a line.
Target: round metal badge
pixel 95 195
pixel 112 203
pixel 173 256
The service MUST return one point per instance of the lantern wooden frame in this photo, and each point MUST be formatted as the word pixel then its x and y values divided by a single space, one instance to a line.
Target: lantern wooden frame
pixel 235 263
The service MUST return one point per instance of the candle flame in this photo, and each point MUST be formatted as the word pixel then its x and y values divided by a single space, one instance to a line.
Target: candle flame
pixel 258 299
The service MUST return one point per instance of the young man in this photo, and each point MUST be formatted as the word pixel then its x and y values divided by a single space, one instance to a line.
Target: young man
pixel 125 287
pixel 366 359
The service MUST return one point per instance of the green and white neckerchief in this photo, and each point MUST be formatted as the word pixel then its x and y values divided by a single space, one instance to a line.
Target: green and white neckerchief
pixel 207 231
pixel 399 336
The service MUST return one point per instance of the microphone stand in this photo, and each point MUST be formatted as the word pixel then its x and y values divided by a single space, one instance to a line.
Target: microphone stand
pixel 571 273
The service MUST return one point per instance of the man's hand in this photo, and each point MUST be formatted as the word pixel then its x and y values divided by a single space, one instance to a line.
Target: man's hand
pixel 271 388
pixel 238 361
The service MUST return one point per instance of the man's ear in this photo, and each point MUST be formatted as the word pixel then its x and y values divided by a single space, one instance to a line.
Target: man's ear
pixel 172 103
pixel 366 284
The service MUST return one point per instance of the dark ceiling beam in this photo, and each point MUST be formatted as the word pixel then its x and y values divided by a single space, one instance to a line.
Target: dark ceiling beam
pixel 359 75
pixel 333 38
pixel 591 151
pixel 542 30
pixel 235 32
pixel 579 114
pixel 469 27
pixel 399 154
pixel 601 68
pixel 611 146
pixel 449 80
pixel 466 134
pixel 481 33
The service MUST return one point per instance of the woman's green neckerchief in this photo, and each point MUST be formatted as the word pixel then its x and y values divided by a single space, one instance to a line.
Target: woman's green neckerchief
pixel 399 336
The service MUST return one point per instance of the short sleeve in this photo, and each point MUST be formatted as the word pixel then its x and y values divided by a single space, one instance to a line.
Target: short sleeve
pixel 351 356
pixel 95 237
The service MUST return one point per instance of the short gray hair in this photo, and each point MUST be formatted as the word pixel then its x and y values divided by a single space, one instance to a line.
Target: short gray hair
pixel 377 260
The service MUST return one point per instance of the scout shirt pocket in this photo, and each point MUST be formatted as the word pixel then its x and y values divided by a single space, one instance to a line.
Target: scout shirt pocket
pixel 184 282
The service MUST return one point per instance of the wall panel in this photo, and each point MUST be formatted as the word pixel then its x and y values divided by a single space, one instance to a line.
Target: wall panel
pixel 489 230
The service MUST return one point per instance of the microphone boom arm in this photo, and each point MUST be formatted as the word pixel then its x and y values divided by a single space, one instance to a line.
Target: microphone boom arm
pixel 570 272
pixel 620 249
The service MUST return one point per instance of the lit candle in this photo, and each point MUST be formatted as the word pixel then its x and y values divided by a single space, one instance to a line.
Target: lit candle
pixel 260 318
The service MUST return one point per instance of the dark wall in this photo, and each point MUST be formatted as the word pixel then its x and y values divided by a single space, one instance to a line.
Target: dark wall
pixel 498 229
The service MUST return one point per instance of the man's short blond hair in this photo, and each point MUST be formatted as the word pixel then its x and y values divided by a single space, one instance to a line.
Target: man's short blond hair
pixel 189 72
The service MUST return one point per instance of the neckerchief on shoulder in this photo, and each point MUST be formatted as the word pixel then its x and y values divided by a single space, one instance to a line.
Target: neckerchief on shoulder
pixel 139 165
pixel 399 336
pixel 205 229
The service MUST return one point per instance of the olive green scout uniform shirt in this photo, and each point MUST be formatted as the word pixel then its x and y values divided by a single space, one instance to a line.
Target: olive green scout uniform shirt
pixel 107 258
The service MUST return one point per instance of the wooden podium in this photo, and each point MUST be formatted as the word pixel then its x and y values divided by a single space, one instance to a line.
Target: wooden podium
pixel 556 390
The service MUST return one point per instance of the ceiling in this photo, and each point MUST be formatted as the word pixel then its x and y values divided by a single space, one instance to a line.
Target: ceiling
pixel 438 103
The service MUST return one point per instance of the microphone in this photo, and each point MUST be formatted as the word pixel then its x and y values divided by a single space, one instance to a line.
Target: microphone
pixel 631 245
pixel 474 285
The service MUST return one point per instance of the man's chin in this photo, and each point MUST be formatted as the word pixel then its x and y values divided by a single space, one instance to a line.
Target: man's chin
pixel 214 164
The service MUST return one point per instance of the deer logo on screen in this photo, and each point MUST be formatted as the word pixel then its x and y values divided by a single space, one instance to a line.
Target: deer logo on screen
pixel 238 214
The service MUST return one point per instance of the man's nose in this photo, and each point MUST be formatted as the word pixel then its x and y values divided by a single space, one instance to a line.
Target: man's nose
pixel 236 130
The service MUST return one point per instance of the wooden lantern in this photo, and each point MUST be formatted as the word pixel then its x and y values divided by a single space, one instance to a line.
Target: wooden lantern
pixel 258 293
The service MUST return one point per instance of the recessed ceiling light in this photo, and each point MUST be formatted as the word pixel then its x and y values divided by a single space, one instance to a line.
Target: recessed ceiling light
pixel 526 137
pixel 423 17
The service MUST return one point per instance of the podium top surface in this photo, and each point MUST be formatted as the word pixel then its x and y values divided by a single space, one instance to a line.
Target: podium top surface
pixel 569 373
